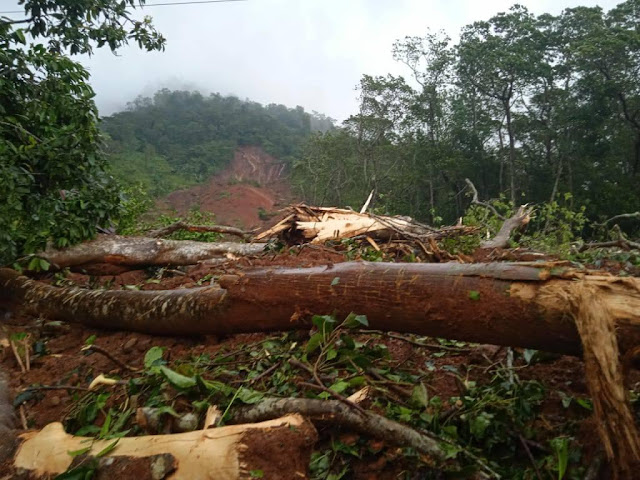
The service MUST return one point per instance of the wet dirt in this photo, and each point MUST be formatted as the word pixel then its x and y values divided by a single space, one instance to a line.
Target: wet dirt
pixel 63 362
pixel 247 194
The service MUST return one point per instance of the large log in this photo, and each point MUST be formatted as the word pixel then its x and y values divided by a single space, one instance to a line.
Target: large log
pixel 500 303
pixel 280 448
pixel 143 251
pixel 541 306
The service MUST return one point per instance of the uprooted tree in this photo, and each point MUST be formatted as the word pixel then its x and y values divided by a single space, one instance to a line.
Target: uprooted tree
pixel 543 306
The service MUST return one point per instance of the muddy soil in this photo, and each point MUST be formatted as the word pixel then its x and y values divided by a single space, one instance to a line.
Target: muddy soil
pixel 60 370
pixel 247 194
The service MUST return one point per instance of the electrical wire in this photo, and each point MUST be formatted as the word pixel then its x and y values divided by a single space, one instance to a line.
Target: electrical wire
pixel 157 4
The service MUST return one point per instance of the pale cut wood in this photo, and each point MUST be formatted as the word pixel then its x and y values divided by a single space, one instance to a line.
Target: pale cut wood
pixel 210 454
pixel 319 224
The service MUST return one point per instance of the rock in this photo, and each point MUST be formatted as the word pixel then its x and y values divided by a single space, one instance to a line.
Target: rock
pixel 186 423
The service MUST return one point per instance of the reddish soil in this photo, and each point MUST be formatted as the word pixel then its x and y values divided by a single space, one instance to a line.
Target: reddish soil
pixel 247 194
pixel 443 375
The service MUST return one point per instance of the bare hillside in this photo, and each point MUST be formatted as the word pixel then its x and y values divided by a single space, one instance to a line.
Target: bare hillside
pixel 246 194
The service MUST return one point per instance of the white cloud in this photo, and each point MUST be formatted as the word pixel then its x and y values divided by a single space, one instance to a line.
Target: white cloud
pixel 296 52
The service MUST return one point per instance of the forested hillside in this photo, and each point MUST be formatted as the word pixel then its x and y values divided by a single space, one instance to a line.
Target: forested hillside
pixel 536 108
pixel 179 138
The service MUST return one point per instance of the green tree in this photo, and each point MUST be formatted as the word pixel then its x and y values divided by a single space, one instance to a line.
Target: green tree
pixel 532 106
pixel 496 57
pixel 51 166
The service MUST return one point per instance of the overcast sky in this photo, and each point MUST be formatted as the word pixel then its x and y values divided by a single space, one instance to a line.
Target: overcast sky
pixel 295 52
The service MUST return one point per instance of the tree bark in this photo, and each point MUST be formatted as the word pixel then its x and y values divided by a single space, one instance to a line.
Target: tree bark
pixel 500 303
pixel 540 306
pixel 142 251
pixel 336 412
pixel 501 239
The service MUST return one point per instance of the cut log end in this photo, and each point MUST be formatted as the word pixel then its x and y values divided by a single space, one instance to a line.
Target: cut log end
pixel 280 448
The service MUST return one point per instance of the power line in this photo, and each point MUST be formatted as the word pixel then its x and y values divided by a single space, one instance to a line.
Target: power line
pixel 157 4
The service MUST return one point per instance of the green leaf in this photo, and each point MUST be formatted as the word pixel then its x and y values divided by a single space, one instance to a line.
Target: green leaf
pixel 105 426
pixel 106 450
pixel 314 342
pixel 153 357
pixel 250 396
pixel 335 281
pixel 585 403
pixel 348 342
pixel 358 381
pixel 420 396
pixel 90 339
pixel 256 473
pixel 177 380
pixel 87 430
pixel 565 399
pixel 83 472
pixel 44 265
pixel 34 264
pixel 528 355
pixel 450 450
pixel 324 323
pixel 474 295
pixel 356 321
pixel 479 423
pixel 561 447
pixel 20 36
pixel 339 386
pixel 77 453
pixel 331 354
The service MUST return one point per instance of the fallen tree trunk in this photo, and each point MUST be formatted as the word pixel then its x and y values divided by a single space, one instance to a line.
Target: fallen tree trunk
pixel 541 306
pixel 279 448
pixel 500 303
pixel 139 251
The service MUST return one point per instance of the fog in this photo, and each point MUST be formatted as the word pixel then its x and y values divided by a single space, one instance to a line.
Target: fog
pixel 295 52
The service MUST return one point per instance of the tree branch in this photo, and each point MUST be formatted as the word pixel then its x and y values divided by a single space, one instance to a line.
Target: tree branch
pixel 622 215
pixel 476 201
pixel 180 225
pixel 334 411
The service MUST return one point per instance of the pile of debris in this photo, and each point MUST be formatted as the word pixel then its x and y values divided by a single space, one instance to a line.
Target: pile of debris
pixel 513 304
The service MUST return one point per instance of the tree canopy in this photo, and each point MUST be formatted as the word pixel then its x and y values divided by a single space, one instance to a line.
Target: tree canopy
pixel 180 137
pixel 51 166
pixel 529 107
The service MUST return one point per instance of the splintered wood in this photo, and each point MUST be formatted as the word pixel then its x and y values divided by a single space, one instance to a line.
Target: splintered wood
pixel 319 224
pixel 280 448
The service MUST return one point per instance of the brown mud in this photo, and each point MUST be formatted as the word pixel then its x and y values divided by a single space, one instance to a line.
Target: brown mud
pixel 66 364
pixel 247 194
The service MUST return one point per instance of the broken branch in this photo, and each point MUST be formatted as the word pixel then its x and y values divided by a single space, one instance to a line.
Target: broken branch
pixel 335 411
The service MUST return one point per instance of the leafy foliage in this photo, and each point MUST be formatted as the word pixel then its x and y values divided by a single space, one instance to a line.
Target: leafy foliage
pixel 51 167
pixel 178 138
pixel 526 106
pixel 482 426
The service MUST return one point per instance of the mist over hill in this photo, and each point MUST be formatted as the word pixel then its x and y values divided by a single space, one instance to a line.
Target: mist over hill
pixel 178 138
